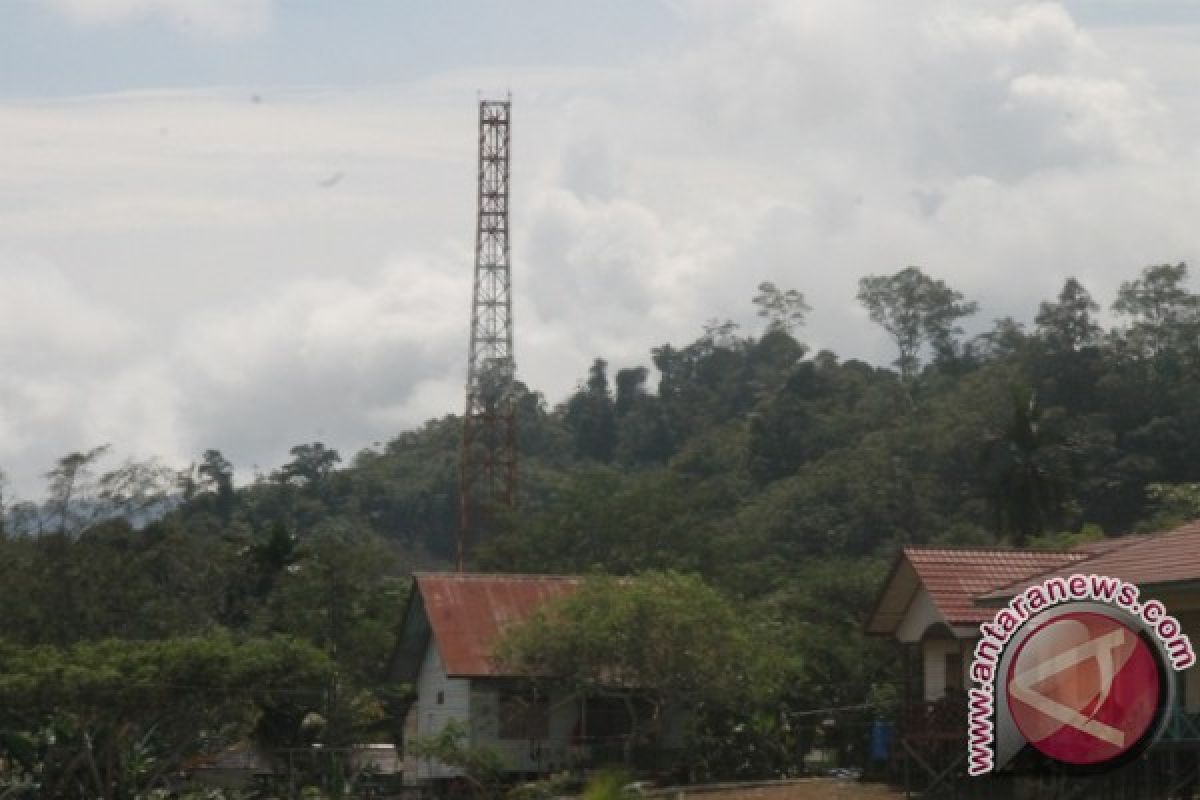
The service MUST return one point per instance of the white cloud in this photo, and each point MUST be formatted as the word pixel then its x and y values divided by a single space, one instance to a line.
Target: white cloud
pixel 226 19
pixel 45 320
pixel 207 291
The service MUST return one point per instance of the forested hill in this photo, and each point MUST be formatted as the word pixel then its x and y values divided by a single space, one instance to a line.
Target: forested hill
pixel 786 478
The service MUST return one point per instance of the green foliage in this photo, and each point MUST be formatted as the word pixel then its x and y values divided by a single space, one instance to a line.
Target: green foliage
pixel 310 464
pixel 783 481
pixel 659 640
pixel 664 633
pixel 1027 470
pixel 1163 314
pixel 117 716
pixel 1066 540
pixel 482 766
pixel 1173 504
pixel 915 310
pixel 591 417
pixel 784 310
pixel 556 785
pixel 608 784
pixel 1068 325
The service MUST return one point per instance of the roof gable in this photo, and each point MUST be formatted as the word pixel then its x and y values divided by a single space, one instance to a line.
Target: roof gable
pixel 953 578
pixel 468 612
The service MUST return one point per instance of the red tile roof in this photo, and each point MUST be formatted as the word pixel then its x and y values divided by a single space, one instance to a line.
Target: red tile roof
pixel 966 585
pixel 468 612
pixel 1147 560
pixel 954 578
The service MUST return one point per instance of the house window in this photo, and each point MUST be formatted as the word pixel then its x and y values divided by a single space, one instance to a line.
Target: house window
pixel 523 715
pixel 954 671
pixel 441 698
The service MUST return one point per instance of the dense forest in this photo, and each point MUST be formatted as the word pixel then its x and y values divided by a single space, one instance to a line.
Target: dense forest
pixel 784 479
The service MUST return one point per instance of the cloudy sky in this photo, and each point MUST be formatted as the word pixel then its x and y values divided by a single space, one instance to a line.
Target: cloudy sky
pixel 246 224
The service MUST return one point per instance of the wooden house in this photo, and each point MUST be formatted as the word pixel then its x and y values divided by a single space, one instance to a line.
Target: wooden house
pixel 450 628
pixel 933 600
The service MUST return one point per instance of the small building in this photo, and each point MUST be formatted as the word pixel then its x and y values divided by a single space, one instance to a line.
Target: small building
pixel 927 605
pixel 238 766
pixel 451 625
pixel 934 599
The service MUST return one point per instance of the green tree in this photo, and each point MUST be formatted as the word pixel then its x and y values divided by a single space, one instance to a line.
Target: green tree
pixel 1163 313
pixel 1068 325
pixel 216 472
pixel 1027 473
pixel 591 416
pixel 115 717
pixel 1005 340
pixel 69 487
pixel 915 310
pixel 481 765
pixel 340 589
pixel 631 389
pixel 310 464
pixel 784 310
pixel 138 491
pixel 662 639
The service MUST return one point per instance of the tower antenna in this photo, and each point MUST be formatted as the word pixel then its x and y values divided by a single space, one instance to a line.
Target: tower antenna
pixel 488 459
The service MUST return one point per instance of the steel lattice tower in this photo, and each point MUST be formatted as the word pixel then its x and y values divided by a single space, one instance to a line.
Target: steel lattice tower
pixel 488 460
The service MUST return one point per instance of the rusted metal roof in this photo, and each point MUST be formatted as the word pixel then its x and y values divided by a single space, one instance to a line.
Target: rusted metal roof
pixel 1143 559
pixel 468 612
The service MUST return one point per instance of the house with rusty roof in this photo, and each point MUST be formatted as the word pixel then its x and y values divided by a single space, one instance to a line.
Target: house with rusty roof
pixel 450 627
pixel 934 599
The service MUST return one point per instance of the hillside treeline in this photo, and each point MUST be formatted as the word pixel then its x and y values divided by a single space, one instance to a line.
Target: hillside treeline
pixel 785 478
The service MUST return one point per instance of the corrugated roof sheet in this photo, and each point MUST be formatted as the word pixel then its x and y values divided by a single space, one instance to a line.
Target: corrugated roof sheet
pixel 954 577
pixel 467 613
pixel 1147 560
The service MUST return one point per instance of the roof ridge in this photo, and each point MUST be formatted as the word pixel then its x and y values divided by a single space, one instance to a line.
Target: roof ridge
pixel 508 576
pixel 1118 543
pixel 1004 550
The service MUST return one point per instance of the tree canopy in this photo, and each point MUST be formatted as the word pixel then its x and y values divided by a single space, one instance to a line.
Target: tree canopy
pixel 738 470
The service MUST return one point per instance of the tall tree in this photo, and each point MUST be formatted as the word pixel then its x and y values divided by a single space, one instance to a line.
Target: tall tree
pixel 69 487
pixel 1026 471
pixel 310 464
pixel 784 310
pixel 1162 312
pixel 591 416
pixel 138 491
pixel 631 387
pixel 915 310
pixel 1068 325
pixel 217 473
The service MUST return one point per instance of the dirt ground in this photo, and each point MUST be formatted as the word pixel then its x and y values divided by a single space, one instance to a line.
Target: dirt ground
pixel 809 789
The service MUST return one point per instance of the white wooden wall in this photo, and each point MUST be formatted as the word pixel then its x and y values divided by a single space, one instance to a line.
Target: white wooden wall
pixel 476 705
pixel 432 716
pixel 934 652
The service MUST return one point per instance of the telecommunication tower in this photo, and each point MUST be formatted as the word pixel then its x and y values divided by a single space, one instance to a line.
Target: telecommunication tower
pixel 488 459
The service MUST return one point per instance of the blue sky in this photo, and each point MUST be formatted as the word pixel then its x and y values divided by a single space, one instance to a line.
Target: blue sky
pixel 177 272
pixel 317 42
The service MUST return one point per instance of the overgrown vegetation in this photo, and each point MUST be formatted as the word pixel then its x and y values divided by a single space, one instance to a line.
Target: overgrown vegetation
pixel 784 480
